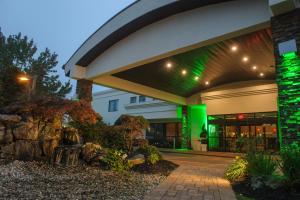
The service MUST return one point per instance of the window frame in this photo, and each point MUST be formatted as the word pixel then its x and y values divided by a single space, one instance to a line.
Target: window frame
pixel 135 100
pixel 140 97
pixel 114 108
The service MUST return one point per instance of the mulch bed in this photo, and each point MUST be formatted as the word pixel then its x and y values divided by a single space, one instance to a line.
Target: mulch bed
pixel 243 189
pixel 163 167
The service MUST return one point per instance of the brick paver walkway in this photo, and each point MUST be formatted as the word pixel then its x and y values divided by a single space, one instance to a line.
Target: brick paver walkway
pixel 197 177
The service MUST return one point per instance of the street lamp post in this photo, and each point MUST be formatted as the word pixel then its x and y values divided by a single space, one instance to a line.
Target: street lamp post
pixel 31 84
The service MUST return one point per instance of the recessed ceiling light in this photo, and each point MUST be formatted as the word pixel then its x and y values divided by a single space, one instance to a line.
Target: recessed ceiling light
pixel 196 78
pixel 245 59
pixel 261 74
pixel 169 65
pixel 254 67
pixel 206 83
pixel 183 72
pixel 234 48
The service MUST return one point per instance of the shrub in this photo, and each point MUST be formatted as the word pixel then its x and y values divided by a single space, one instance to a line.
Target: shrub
pixel 260 164
pixel 140 142
pixel 151 153
pixel 290 162
pixel 237 170
pixel 114 137
pixel 90 132
pixel 116 160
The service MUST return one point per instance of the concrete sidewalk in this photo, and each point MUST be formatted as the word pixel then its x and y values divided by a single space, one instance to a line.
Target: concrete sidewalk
pixel 197 177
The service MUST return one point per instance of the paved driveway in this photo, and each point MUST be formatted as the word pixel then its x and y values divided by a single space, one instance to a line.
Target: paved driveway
pixel 197 177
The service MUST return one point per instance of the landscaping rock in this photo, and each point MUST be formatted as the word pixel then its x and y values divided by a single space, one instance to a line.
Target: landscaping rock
pixel 91 152
pixel 26 131
pixel 6 150
pixel 35 180
pixel 28 150
pixel 9 119
pixel 49 147
pixel 66 155
pixel 137 159
pixel 6 137
pixel 71 136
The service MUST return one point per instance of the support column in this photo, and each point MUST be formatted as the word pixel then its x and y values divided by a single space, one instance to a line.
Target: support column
pixel 84 90
pixel 286 27
pixel 194 121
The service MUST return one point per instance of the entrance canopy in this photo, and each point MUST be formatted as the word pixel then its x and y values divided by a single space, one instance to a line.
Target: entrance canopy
pixel 172 49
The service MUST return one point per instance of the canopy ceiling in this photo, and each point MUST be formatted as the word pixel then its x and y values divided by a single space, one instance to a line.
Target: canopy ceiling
pixel 215 64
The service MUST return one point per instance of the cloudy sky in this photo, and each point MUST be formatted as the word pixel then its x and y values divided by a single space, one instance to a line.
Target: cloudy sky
pixel 60 25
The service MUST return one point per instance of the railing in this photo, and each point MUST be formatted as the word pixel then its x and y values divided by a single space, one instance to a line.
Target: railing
pixel 166 142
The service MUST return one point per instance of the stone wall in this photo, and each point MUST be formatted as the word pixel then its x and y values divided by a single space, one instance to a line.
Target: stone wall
pixel 84 90
pixel 286 27
pixel 28 139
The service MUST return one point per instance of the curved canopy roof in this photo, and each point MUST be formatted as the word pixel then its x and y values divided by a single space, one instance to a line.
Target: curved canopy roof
pixel 134 17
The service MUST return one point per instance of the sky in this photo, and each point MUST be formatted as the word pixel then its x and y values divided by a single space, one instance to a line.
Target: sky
pixel 60 25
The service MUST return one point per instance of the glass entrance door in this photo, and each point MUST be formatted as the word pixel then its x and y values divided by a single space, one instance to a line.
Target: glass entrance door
pixel 243 132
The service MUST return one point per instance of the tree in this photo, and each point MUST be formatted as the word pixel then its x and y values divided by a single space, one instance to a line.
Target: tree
pixel 18 55
pixel 133 127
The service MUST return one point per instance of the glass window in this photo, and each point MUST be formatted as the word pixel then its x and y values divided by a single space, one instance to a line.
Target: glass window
pixel 132 99
pixel 113 105
pixel 142 98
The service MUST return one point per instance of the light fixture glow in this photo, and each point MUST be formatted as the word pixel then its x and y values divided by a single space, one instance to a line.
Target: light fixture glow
pixel 234 48
pixel 196 78
pixel 245 59
pixel 169 65
pixel 254 67
pixel 206 83
pixel 261 74
pixel 23 78
pixel 183 72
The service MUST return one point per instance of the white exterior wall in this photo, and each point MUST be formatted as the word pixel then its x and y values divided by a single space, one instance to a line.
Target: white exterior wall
pixel 150 109
pixel 255 98
pixel 243 97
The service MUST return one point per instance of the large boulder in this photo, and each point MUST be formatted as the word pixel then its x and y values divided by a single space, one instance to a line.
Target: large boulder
pixel 66 155
pixel 91 152
pixel 6 136
pixel 137 159
pixel 50 139
pixel 7 150
pixel 28 150
pixel 71 136
pixel 9 119
pixel 26 131
pixel 49 147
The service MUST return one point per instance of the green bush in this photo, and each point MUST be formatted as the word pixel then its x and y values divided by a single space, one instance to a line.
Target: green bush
pixel 116 160
pixel 290 162
pixel 237 170
pixel 260 164
pixel 151 153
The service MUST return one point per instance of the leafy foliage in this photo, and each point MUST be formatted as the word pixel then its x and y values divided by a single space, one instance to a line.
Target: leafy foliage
pixel 290 165
pixel 116 160
pixel 48 109
pixel 18 55
pixel 151 153
pixel 260 164
pixel 131 128
pixel 91 132
pixel 237 170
